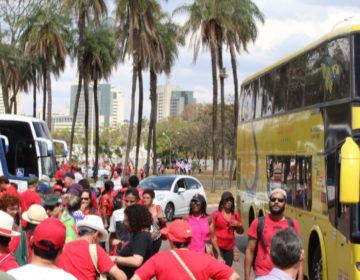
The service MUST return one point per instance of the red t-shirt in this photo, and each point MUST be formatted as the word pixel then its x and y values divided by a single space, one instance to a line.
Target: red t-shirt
pixel 107 201
pixel 75 259
pixel 7 262
pixel 223 230
pixel 28 198
pixel 10 190
pixel 205 266
pixel 263 263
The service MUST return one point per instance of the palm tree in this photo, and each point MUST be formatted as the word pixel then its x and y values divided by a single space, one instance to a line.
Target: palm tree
pixel 47 37
pixel 136 20
pixel 241 30
pixel 163 63
pixel 99 59
pixel 202 24
pixel 85 11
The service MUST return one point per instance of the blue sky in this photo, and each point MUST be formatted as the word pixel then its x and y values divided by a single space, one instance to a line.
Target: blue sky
pixel 289 26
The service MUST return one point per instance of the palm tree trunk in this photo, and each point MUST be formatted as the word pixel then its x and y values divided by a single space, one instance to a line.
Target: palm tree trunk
pixel 132 113
pixel 152 122
pixel 81 25
pixel 34 91
pixel 214 109
pixel 140 112
pixel 236 109
pixel 49 101
pixel 76 106
pixel 222 78
pixel 4 89
pixel 44 92
pixel 154 134
pixel 96 104
pixel 86 99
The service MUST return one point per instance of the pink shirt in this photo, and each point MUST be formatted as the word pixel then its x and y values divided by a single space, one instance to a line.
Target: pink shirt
pixel 200 233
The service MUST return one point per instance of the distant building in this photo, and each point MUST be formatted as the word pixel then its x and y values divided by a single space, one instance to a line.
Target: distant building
pixel 111 105
pixel 172 100
pixel 61 121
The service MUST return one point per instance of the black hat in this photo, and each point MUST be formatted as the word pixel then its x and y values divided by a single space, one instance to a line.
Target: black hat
pixel 70 175
pixel 226 195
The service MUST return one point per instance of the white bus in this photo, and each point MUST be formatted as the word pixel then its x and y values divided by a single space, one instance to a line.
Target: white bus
pixel 26 149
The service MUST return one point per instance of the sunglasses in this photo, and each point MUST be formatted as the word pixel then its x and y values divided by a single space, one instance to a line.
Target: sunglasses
pixel 50 208
pixel 195 202
pixel 274 199
pixel 85 198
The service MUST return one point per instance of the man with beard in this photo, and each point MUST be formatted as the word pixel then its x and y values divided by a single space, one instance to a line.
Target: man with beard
pixel 262 230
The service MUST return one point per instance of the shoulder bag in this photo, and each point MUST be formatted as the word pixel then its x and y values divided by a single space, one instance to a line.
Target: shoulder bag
pixel 192 277
pixel 94 259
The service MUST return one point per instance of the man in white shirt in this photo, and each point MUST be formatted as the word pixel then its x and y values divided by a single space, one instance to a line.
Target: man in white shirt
pixel 47 242
pixel 116 179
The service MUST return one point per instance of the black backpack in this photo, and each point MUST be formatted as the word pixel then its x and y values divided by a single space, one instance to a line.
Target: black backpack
pixel 259 230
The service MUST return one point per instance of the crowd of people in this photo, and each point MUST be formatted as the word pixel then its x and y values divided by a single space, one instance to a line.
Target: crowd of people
pixel 73 231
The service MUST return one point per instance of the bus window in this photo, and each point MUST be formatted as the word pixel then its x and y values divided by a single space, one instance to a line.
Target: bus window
pixel 259 99
pixel 280 175
pixel 22 150
pixel 336 69
pixel 314 86
pixel 247 111
pixel 296 83
pixel 280 91
pixel 303 196
pixel 268 94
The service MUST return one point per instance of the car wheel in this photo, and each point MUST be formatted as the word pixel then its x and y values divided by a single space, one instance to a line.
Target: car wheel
pixel 169 212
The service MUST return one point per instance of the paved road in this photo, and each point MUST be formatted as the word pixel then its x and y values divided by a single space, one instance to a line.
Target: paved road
pixel 240 243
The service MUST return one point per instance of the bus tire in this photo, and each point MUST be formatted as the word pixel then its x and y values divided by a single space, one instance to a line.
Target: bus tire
pixel 316 264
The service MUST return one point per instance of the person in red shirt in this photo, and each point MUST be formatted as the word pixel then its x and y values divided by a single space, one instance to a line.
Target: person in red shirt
pixel 273 222
pixel 6 187
pixel 224 223
pixel 107 203
pixel 166 265
pixel 76 258
pixel 86 203
pixel 30 196
pixel 7 260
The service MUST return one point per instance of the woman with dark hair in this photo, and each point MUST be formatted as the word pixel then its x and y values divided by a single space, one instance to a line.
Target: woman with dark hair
pixel 106 204
pixel 119 233
pixel 159 219
pixel 138 221
pixel 200 224
pixel 87 203
pixel 224 223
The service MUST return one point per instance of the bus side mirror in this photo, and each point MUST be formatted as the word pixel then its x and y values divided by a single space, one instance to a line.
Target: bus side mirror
pixel 6 142
pixel 48 144
pixel 349 172
pixel 63 143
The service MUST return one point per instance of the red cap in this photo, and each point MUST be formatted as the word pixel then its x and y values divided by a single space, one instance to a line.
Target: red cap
pixel 52 230
pixel 57 188
pixel 178 231
pixel 59 174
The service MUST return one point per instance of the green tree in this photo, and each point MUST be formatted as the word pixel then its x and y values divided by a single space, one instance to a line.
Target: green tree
pixel 99 60
pixel 84 12
pixel 136 37
pixel 47 36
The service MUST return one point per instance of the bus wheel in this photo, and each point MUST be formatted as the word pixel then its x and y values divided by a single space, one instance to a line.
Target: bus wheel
pixel 316 271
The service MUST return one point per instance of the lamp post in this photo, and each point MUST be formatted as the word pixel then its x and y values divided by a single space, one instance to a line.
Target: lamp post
pixel 168 138
pixel 343 20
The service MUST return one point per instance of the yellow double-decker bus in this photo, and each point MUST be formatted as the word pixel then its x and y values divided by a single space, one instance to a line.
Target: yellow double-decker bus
pixel 299 129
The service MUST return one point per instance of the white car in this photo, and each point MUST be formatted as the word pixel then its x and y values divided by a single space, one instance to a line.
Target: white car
pixel 173 193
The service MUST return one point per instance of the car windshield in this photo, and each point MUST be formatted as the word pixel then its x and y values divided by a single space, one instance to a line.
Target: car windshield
pixel 157 183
